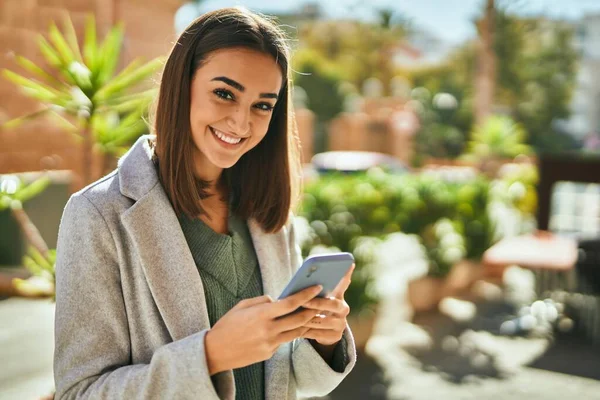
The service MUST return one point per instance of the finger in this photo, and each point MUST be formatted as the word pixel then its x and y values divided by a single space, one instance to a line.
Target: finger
pixel 327 304
pixel 329 323
pixel 295 320
pixel 344 284
pixel 288 336
pixel 293 302
pixel 253 301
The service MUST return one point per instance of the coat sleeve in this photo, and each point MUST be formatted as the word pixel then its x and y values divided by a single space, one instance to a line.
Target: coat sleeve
pixel 92 356
pixel 314 376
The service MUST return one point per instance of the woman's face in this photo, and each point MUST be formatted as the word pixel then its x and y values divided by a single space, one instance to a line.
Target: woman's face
pixel 232 98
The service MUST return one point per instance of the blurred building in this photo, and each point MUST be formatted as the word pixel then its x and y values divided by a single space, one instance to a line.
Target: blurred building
pixel 381 124
pixel 585 117
pixel 149 32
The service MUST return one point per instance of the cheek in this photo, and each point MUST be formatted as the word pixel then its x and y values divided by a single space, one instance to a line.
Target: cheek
pixel 261 126
pixel 203 112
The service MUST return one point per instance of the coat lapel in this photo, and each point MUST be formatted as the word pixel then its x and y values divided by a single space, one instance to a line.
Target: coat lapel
pixel 170 270
pixel 167 262
pixel 271 255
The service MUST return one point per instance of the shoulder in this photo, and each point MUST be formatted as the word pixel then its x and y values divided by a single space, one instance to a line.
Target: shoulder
pixel 102 197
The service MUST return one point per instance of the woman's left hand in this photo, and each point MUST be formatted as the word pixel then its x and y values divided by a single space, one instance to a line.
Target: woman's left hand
pixel 328 327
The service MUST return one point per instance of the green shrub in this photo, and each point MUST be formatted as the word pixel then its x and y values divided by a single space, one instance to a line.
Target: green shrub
pixel 449 214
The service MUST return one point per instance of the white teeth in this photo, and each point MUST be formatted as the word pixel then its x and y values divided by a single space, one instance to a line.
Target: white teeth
pixel 225 138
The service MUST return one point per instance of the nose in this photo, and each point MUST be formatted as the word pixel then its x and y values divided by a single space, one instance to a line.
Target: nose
pixel 239 121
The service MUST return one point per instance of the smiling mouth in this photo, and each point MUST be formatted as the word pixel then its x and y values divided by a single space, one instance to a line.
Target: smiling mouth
pixel 227 139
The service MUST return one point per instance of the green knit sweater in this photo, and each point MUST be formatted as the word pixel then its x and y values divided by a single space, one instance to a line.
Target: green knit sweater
pixel 230 273
pixel 229 270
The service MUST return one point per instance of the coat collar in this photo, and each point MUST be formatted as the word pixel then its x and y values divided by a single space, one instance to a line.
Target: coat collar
pixel 137 172
pixel 168 264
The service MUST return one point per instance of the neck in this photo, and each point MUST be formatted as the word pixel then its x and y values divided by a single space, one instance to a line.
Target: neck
pixel 208 172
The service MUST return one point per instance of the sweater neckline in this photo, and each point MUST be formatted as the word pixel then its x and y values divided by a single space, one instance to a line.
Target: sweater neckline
pixel 228 258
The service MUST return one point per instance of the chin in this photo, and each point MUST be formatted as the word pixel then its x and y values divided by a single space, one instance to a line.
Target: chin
pixel 224 164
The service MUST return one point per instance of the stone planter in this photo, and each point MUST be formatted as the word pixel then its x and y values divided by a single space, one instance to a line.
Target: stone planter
pixel 425 293
pixel 362 327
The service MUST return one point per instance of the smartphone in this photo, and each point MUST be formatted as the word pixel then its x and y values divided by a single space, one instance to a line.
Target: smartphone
pixel 326 270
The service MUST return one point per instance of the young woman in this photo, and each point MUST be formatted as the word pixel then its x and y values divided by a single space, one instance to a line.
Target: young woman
pixel 167 268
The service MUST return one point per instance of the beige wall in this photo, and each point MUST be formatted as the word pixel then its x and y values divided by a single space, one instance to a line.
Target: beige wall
pixel 39 145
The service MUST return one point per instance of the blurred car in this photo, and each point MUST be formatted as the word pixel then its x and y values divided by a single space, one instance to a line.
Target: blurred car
pixel 356 161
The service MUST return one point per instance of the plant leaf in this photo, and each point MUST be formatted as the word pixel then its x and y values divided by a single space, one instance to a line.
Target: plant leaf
pixel 54 59
pixel 118 100
pixel 132 105
pixel 71 37
pixel 65 52
pixel 124 81
pixel 90 47
pixel 38 71
pixel 36 89
pixel 31 265
pixel 109 52
pixel 49 53
pixel 39 259
pixel 33 189
pixel 16 122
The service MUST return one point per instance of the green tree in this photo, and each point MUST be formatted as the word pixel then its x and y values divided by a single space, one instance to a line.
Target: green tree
pixel 535 75
pixel 321 82
pixel 359 50
pixel 547 80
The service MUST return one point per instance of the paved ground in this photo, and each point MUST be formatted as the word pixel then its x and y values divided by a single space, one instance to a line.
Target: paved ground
pixel 417 362
pixel 437 358
pixel 26 348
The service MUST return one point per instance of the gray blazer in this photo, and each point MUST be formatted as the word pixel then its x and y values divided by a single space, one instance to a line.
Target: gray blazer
pixel 130 310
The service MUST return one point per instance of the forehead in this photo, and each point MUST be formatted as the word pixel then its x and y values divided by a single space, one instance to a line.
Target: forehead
pixel 256 71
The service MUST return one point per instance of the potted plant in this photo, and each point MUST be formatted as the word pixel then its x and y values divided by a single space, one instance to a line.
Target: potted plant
pixel 496 141
pixel 13 193
pixel 83 93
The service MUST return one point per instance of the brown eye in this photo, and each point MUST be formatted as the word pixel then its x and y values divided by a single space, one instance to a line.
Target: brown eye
pixel 264 107
pixel 224 94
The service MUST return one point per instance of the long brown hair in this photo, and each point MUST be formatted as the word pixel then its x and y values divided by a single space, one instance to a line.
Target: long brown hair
pixel 264 183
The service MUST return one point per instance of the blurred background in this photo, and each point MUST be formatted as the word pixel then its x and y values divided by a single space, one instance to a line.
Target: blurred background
pixel 452 146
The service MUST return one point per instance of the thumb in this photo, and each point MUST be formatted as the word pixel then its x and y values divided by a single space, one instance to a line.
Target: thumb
pixel 254 301
pixel 341 288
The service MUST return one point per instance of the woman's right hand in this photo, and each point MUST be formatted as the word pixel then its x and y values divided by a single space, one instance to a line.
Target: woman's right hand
pixel 254 328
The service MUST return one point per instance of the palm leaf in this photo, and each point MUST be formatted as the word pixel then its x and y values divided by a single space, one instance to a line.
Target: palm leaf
pixel 38 71
pixel 90 47
pixel 126 80
pixel 16 122
pixel 117 100
pixel 132 66
pixel 109 53
pixel 132 105
pixel 53 58
pixel 40 260
pixel 35 89
pixel 49 53
pixel 61 45
pixel 32 266
pixel 71 37
pixel 32 190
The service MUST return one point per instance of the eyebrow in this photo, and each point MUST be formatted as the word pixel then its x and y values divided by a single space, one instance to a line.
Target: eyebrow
pixel 241 87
